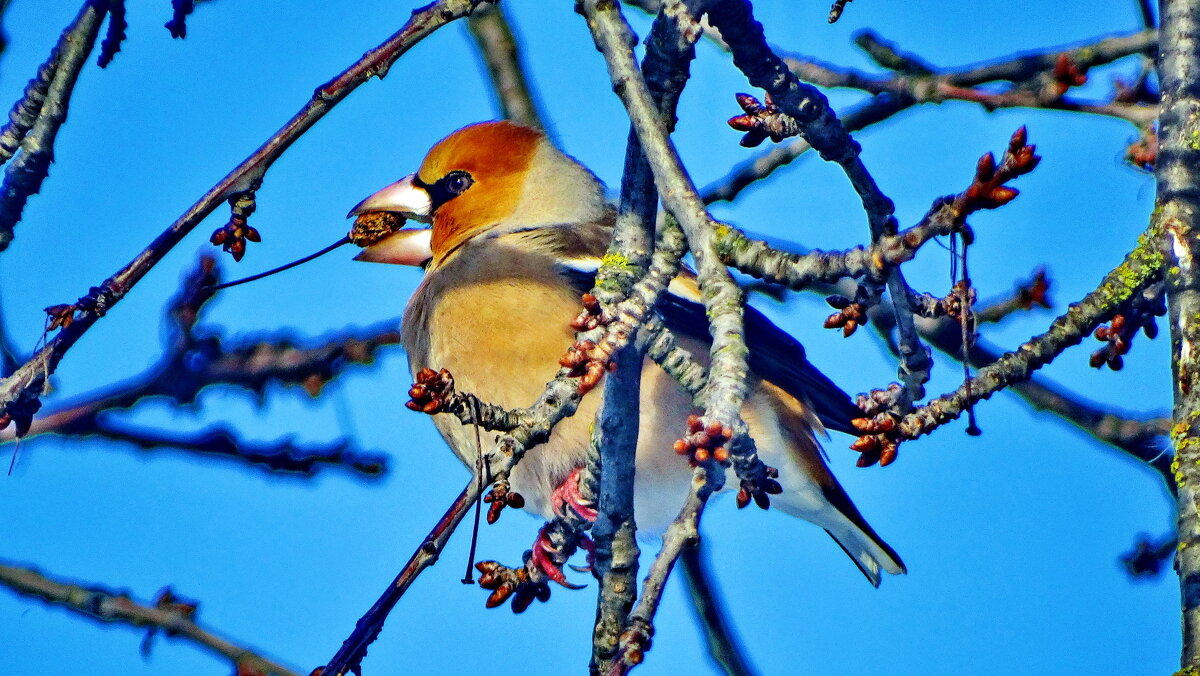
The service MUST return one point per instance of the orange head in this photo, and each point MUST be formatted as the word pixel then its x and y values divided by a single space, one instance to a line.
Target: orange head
pixel 482 178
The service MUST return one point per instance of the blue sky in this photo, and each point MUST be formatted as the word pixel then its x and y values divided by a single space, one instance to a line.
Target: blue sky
pixel 1011 538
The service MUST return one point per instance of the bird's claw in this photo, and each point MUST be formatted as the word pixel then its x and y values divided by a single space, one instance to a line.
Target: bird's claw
pixel 568 495
pixel 542 557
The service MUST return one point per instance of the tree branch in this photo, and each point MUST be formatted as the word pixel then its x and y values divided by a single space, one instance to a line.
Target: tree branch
pixel 104 605
pixel 813 119
pixel 1177 235
pixel 20 392
pixel 497 48
pixel 49 94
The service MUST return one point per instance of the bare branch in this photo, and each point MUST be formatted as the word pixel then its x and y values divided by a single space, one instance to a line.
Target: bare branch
pixel 23 388
pixel 711 613
pixel 24 175
pixel 196 358
pixel 1176 234
pixel 669 51
pixel 895 94
pixel 105 605
pixel 498 50
pixel 809 110
pixel 1140 266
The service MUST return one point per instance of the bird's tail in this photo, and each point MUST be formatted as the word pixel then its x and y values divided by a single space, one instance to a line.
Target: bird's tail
pixel 851 532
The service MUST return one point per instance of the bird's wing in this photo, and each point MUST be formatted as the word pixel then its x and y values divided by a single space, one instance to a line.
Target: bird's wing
pixel 774 355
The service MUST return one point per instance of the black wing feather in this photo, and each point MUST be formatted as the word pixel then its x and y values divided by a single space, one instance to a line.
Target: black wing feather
pixel 774 354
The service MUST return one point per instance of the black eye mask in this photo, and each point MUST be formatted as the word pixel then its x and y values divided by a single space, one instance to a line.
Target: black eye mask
pixel 445 188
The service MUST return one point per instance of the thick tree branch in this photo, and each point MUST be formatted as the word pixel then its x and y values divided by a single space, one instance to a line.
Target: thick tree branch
pixel 49 93
pixel 1176 214
pixel 669 51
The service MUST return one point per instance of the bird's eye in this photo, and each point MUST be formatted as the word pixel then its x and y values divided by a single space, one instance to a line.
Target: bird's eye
pixel 457 182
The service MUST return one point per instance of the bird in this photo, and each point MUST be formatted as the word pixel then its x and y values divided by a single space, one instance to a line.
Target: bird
pixel 517 229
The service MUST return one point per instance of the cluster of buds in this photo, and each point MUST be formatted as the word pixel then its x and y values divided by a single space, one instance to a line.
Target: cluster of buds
pixel 1116 336
pixel 167 600
pixel 1035 291
pixel 20 413
pixel 232 236
pixel 952 305
pixel 759 490
pixel 370 228
pixel 988 189
pixel 761 121
pixel 587 362
pixel 1140 314
pixel 499 497
pixel 592 316
pixel 880 433
pixel 635 641
pixel 432 391
pixel 1066 74
pixel 512 583
pixel 59 316
pixel 877 444
pixel 849 316
pixel 704 441
pixel 1143 153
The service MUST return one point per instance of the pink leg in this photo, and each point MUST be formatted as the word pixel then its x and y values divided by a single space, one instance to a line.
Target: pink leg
pixel 544 553
pixel 567 494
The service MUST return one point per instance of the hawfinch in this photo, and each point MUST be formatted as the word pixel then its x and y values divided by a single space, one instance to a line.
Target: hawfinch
pixel 518 231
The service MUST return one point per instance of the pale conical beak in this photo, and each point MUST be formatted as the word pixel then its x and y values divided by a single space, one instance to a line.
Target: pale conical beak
pixel 409 246
pixel 403 197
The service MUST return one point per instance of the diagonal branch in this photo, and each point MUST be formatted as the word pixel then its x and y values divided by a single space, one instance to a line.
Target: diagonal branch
pixel 497 48
pixel 105 605
pixel 25 386
pixel 50 92
pixel 809 110
pixel 897 93
pixel 1141 266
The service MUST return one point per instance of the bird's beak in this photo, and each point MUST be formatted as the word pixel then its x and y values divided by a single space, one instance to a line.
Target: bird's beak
pixel 404 197
pixel 409 246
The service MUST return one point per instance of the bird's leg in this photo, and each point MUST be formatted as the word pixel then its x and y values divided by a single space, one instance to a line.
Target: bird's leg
pixel 556 542
pixel 549 559
pixel 567 495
